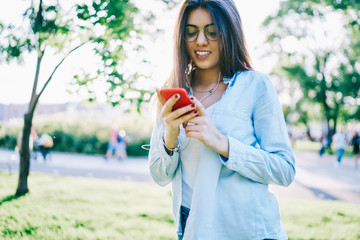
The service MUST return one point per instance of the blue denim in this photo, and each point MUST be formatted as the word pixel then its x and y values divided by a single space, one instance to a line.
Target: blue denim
pixel 340 152
pixel 180 236
pixel 322 150
pixel 231 197
pixel 184 214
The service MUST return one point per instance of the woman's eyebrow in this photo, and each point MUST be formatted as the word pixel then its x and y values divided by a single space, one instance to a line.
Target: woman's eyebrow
pixel 192 25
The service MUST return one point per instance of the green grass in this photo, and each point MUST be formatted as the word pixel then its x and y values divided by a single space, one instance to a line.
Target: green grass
pixel 320 219
pixel 86 208
pixel 309 146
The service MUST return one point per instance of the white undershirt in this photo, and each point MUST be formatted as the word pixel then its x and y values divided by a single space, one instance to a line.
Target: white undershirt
pixel 190 156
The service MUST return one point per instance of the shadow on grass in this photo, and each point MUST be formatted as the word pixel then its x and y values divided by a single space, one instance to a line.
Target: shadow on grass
pixel 9 198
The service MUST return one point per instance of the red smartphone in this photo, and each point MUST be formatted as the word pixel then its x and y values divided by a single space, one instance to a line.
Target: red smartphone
pixel 184 100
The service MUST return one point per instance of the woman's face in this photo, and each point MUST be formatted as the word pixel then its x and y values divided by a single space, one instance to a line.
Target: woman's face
pixel 204 52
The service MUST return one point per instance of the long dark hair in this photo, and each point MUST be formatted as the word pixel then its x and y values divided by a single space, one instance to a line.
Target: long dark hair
pixel 232 45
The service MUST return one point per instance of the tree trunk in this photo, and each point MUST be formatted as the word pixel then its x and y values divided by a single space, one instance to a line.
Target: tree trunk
pixel 24 167
pixel 28 117
pixel 308 133
pixel 328 118
pixel 335 124
pixel 329 127
pixel 22 187
pixel 304 120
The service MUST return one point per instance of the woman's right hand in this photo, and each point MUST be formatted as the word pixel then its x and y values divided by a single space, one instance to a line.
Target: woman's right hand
pixel 173 119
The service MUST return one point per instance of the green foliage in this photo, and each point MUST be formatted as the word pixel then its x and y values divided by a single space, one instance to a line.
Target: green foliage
pixel 327 70
pixel 136 147
pixel 68 142
pixel 107 24
pixel 112 28
pixel 87 133
pixel 8 141
pixel 8 136
pixel 115 21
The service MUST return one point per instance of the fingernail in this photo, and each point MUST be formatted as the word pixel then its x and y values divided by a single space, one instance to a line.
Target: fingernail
pixel 192 105
pixel 195 112
pixel 177 96
pixel 191 98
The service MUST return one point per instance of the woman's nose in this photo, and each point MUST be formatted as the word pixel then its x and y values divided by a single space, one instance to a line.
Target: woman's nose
pixel 201 39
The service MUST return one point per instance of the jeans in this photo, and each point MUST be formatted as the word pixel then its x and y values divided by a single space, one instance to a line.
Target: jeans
pixel 184 211
pixel 340 154
pixel 322 150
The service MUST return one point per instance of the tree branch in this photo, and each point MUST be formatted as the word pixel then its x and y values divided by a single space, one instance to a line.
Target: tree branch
pixel 53 72
pixel 36 78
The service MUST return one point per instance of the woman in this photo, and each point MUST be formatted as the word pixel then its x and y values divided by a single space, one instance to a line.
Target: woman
pixel 221 152
pixel 355 141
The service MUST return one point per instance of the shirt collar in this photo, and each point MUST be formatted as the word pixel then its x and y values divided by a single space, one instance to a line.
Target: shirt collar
pixel 230 80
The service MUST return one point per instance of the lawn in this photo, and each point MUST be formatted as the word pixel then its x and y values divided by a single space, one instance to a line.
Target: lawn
pixel 86 208
pixel 308 146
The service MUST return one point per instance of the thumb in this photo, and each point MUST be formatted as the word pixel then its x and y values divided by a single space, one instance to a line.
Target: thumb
pixel 160 98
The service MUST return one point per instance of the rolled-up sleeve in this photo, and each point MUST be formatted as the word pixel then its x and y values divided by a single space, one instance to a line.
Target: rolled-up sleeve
pixel 162 166
pixel 273 161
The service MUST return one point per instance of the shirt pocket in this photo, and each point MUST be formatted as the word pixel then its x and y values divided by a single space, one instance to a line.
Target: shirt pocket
pixel 237 124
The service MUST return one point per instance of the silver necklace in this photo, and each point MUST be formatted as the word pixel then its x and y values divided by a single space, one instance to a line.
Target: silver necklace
pixel 211 91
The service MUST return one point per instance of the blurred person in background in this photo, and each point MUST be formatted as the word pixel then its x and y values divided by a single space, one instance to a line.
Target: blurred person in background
pixel 34 136
pixel 18 143
pixel 122 140
pixel 339 140
pixel 32 143
pixel 113 144
pixel 324 143
pixel 355 141
pixel 45 144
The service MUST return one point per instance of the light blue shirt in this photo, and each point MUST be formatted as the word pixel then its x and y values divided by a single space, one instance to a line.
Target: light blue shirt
pixel 231 199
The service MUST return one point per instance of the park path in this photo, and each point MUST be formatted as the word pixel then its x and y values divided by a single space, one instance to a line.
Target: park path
pixel 320 178
pixel 315 178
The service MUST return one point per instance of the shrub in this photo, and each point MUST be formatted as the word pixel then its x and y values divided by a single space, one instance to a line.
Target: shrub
pixel 84 134
pixel 134 148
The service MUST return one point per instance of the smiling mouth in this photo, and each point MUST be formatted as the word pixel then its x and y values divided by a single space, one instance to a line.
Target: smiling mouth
pixel 202 53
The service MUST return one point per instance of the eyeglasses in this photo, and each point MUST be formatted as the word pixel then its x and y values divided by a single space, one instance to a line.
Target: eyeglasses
pixel 192 32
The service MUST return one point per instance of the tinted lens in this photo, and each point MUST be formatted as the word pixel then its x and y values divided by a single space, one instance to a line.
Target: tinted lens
pixel 210 32
pixel 190 33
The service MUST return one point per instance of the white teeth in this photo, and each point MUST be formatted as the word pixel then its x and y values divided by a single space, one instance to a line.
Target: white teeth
pixel 202 53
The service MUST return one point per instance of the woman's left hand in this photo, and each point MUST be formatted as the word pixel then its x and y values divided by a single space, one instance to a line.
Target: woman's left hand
pixel 203 129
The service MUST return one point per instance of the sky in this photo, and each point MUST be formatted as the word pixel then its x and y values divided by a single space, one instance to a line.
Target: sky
pixel 16 79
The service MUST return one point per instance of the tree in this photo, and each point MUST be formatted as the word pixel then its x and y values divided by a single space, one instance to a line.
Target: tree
pixel 321 57
pixel 107 25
